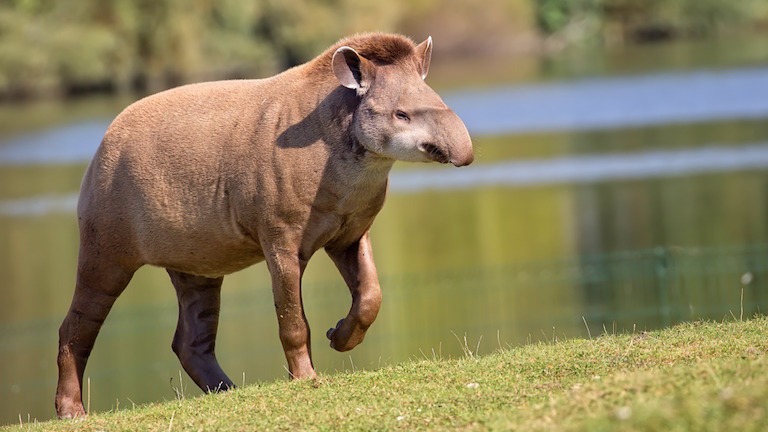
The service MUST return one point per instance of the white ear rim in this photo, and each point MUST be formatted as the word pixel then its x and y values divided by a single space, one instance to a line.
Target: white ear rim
pixel 342 70
pixel 427 50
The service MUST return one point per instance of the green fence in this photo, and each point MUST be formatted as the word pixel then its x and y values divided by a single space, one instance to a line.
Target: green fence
pixel 621 291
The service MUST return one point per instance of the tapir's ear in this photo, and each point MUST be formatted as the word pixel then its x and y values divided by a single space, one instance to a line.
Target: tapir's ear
pixel 352 70
pixel 425 51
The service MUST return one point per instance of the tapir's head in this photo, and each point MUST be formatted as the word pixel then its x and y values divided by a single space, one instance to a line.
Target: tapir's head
pixel 399 116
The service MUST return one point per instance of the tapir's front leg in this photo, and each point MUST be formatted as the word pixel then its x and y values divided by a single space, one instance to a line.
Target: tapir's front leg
pixel 359 271
pixel 286 270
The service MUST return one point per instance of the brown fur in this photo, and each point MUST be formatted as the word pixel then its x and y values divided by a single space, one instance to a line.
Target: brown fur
pixel 207 179
pixel 379 48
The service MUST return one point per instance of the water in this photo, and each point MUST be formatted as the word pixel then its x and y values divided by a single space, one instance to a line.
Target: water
pixel 68 144
pixel 574 169
pixel 645 100
pixel 587 169
pixel 523 245
pixel 578 105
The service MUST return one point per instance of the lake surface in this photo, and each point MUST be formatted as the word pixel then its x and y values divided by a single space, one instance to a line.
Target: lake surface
pixel 621 102
pixel 618 204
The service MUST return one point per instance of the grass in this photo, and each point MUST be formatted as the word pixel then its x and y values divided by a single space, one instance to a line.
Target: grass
pixel 700 376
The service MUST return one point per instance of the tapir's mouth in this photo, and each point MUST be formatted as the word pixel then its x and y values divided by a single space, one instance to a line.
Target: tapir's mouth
pixel 433 152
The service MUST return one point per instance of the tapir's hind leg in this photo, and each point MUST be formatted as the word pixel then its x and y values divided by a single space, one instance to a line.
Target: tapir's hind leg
pixel 195 339
pixel 99 283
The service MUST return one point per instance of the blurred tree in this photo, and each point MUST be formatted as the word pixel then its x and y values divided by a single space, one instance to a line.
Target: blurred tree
pixel 53 47
pixel 460 27
pixel 300 29
pixel 579 21
pixel 49 47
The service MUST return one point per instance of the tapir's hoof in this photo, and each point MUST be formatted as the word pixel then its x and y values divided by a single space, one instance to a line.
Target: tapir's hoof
pixel 70 410
pixel 329 333
pixel 345 336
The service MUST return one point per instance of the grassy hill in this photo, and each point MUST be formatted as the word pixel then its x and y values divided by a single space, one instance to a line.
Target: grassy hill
pixel 701 376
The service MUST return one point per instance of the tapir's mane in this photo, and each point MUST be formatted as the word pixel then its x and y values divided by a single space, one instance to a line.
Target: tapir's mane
pixel 380 48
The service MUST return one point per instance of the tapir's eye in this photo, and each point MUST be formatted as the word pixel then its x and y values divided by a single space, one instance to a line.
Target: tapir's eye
pixel 401 115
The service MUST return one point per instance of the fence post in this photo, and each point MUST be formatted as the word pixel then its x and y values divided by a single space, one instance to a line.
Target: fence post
pixel 661 267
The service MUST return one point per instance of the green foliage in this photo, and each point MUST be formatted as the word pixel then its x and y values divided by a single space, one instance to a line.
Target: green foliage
pixel 47 46
pixel 300 29
pixel 578 20
pixel 555 15
pixel 700 376
pixel 50 47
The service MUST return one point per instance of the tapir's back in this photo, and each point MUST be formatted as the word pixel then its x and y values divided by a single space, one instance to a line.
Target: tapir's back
pixel 166 172
pixel 184 124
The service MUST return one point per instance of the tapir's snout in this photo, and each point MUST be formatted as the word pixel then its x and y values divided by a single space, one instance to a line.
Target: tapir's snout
pixel 448 141
pixel 458 155
pixel 463 155
pixel 463 162
pixel 460 148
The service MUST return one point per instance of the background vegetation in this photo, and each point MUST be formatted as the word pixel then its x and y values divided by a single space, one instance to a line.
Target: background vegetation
pixel 52 48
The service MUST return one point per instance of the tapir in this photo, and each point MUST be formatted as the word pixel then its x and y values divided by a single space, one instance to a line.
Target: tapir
pixel 207 179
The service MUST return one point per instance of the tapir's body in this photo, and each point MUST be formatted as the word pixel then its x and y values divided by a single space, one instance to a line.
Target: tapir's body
pixel 199 199
pixel 210 178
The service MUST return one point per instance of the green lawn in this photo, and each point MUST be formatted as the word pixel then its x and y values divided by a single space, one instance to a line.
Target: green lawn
pixel 701 376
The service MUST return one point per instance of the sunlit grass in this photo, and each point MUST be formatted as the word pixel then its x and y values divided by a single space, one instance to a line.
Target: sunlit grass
pixel 695 376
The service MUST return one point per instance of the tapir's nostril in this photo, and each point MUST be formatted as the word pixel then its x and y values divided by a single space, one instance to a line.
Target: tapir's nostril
pixel 433 152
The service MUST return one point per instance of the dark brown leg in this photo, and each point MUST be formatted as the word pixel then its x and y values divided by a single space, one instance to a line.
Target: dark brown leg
pixel 98 285
pixel 359 271
pixel 195 339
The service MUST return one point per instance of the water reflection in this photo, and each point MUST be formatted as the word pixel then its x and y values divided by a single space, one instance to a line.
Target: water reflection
pixel 570 169
pixel 616 102
pixel 575 105
pixel 587 168
pixel 73 143
pixel 39 206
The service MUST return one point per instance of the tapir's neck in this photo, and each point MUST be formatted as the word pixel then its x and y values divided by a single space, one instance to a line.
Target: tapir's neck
pixel 355 175
pixel 358 179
